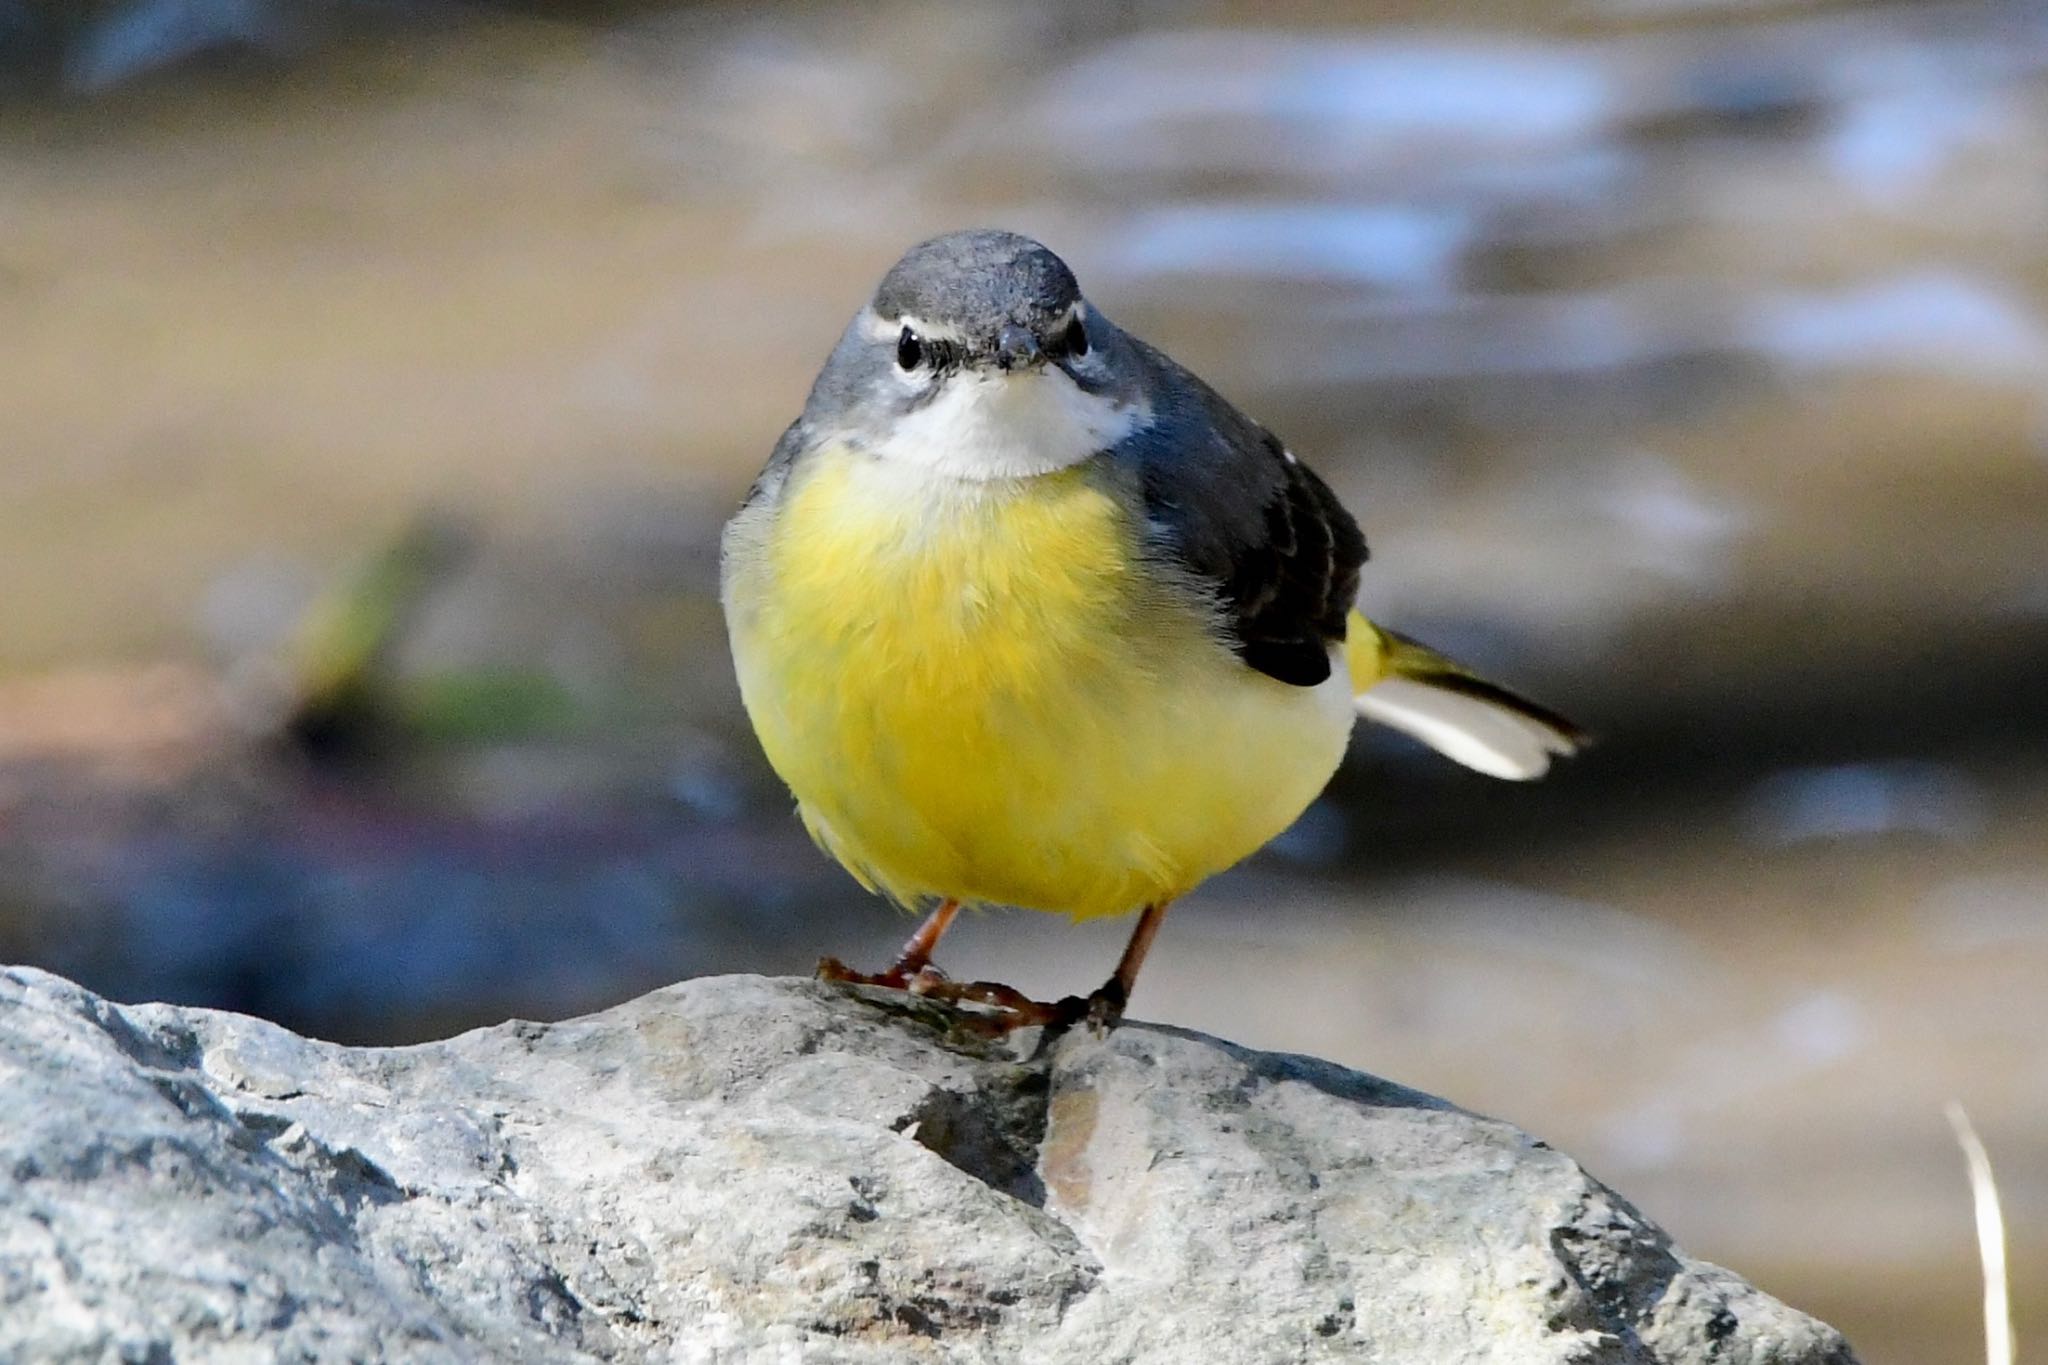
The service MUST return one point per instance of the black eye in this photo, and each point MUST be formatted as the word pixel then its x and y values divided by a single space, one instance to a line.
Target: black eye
pixel 909 350
pixel 1075 342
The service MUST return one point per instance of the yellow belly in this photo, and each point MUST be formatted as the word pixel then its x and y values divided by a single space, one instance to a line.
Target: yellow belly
pixel 972 693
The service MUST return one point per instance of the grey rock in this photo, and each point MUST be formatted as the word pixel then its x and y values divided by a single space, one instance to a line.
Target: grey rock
pixel 740 1169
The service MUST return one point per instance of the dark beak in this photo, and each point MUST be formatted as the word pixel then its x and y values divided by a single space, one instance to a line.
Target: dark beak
pixel 1017 348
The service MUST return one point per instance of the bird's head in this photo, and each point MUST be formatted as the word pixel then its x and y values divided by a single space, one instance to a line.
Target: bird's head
pixel 979 357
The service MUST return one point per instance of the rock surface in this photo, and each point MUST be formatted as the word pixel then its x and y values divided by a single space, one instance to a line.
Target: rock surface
pixel 740 1169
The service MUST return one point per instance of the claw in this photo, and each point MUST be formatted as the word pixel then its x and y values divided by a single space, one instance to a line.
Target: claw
pixel 1104 1010
pixel 895 979
pixel 995 1009
pixel 1000 1009
pixel 929 981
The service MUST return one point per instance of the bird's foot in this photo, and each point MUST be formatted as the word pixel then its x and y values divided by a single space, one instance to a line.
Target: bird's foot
pixel 897 978
pixel 998 1009
pixel 1104 1010
pixel 1010 1009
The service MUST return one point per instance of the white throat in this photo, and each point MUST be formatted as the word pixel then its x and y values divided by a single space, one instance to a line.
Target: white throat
pixel 1009 426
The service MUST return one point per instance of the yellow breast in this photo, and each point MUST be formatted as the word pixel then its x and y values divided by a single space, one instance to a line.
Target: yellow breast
pixel 975 690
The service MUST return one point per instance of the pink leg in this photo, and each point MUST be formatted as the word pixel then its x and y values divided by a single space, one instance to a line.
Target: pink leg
pixel 913 972
pixel 912 962
pixel 1106 1006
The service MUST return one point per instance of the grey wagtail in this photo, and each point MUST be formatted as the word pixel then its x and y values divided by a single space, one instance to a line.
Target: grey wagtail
pixel 1026 614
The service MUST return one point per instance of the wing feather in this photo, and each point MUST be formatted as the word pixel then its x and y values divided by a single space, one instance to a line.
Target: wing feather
pixel 1230 507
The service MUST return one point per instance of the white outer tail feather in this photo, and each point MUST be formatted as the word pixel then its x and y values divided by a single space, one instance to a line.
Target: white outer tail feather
pixel 1483 736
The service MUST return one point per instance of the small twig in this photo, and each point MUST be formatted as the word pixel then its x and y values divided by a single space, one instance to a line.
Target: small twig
pixel 1998 1347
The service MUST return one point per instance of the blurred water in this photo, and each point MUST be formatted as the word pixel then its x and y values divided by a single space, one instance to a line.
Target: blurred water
pixel 1684 361
pixel 1868 800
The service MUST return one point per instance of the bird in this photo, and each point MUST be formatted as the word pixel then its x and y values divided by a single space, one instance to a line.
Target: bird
pixel 1025 614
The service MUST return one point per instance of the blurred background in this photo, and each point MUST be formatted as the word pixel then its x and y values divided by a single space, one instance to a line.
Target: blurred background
pixel 376 377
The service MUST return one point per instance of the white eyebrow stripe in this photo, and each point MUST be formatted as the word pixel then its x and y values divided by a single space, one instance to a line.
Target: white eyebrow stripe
pixel 886 329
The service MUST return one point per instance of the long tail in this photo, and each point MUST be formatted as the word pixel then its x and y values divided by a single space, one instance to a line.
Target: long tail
pixel 1452 709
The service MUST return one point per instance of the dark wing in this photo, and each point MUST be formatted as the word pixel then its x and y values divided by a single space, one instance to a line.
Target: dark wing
pixel 1228 504
pixel 1291 590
